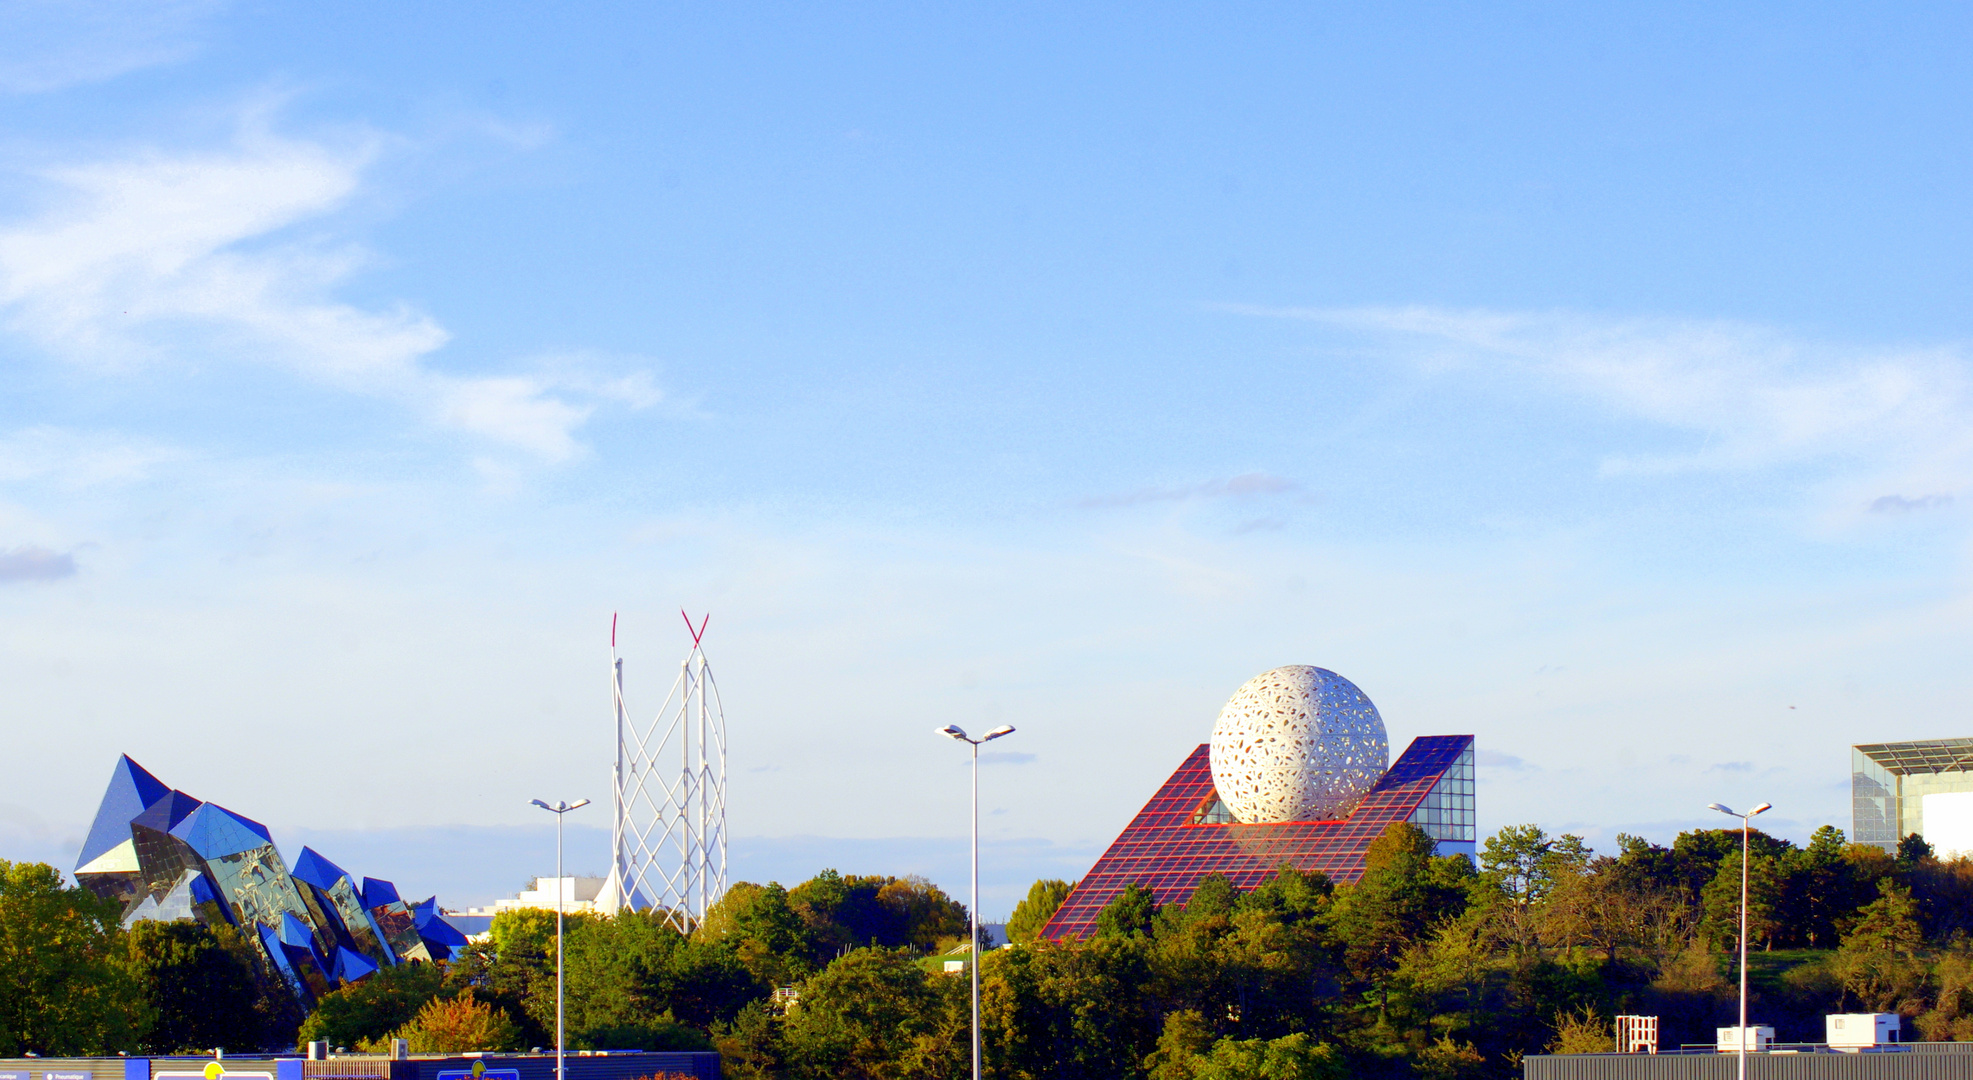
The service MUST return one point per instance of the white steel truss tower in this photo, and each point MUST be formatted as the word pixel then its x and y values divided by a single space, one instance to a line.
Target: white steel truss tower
pixel 668 846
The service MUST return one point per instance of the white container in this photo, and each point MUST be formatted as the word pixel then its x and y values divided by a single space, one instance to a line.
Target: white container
pixel 1758 1038
pixel 1853 1031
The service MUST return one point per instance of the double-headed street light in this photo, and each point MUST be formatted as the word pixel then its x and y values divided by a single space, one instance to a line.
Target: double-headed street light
pixel 1746 826
pixel 558 809
pixel 955 732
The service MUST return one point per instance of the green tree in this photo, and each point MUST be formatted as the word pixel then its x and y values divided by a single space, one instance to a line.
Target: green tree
pixel 1404 891
pixel 1913 850
pixel 198 989
pixel 763 929
pixel 1290 1057
pixel 1187 1051
pixel 65 989
pixel 1766 890
pixel 1821 890
pixel 841 913
pixel 1072 1010
pixel 1525 862
pixel 1129 914
pixel 1031 914
pixel 630 975
pixel 1877 963
pixel 1886 924
pixel 370 1009
pixel 528 932
pixel 921 912
pixel 872 1014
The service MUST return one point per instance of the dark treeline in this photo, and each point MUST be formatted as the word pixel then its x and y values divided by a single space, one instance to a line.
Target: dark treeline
pixel 1429 966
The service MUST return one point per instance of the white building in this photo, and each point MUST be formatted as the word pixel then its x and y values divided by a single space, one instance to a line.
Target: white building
pixel 578 894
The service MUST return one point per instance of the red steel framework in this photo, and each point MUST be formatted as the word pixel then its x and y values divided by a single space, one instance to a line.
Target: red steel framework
pixel 1165 852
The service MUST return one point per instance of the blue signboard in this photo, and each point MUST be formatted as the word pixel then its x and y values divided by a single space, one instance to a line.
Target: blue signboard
pixel 52 1075
pixel 13 1076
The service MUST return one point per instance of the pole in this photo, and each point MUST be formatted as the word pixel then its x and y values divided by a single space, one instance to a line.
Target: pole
pixel 617 901
pixel 560 1040
pixel 1746 824
pixel 974 961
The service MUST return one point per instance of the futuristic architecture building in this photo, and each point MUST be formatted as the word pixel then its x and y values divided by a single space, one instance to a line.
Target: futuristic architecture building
pixel 165 855
pixel 1295 773
pixel 1925 787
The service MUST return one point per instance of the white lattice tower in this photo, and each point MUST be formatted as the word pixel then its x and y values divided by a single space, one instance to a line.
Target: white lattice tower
pixel 668 846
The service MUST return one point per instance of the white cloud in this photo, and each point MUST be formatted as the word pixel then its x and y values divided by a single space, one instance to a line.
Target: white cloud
pixel 50 44
pixel 1245 484
pixel 77 459
pixel 159 255
pixel 1758 398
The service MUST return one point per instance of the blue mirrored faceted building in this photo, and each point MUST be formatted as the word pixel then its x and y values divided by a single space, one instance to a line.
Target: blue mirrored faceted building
pixel 165 855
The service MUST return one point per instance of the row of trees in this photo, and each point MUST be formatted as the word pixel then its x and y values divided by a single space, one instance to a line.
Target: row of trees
pixel 1427 966
pixel 73 982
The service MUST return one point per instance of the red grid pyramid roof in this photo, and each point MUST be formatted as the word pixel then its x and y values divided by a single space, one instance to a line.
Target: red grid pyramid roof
pixel 1163 851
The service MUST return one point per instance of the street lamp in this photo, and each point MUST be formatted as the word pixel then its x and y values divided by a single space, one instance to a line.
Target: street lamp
pixel 953 731
pixel 558 810
pixel 1746 825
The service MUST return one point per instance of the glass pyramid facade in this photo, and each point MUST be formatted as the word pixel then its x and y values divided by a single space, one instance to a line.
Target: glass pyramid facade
pixel 1185 833
pixel 165 855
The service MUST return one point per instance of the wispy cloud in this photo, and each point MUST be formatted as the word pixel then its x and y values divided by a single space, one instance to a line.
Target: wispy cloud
pixel 1757 397
pixel 78 459
pixel 1244 484
pixel 156 255
pixel 50 44
pixel 35 564
pixel 1898 504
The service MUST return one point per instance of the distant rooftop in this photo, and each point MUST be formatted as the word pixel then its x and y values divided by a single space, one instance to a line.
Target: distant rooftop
pixel 1921 756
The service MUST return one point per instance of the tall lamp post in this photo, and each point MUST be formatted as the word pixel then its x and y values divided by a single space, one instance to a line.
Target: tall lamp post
pixel 558 809
pixel 955 732
pixel 1746 825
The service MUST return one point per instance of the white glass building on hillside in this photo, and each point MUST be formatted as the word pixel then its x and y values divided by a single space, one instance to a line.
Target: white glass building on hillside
pixel 1923 787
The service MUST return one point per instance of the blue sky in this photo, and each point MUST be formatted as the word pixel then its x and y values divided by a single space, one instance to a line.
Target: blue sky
pixel 1592 381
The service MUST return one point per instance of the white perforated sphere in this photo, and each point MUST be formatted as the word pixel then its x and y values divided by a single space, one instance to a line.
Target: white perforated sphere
pixel 1297 743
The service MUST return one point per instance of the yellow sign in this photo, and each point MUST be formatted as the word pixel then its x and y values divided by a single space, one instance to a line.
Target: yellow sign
pixel 214 1070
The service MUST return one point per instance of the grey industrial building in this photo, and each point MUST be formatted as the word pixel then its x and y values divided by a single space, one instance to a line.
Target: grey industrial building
pixel 1909 1061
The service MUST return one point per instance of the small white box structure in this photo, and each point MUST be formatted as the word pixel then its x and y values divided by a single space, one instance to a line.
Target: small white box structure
pixel 954 967
pixel 1854 1031
pixel 1758 1038
pixel 1637 1034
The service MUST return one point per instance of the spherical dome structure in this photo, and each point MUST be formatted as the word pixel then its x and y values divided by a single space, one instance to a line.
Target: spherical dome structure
pixel 1298 743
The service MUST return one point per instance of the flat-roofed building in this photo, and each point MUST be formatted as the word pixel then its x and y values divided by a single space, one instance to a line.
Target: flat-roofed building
pixel 1923 787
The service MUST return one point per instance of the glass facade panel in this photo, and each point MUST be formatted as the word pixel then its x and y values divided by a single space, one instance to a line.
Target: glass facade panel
pixel 1873 802
pixel 1447 814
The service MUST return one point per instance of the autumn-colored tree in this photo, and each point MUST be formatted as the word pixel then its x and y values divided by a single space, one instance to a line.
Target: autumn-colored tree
pixel 459 1025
